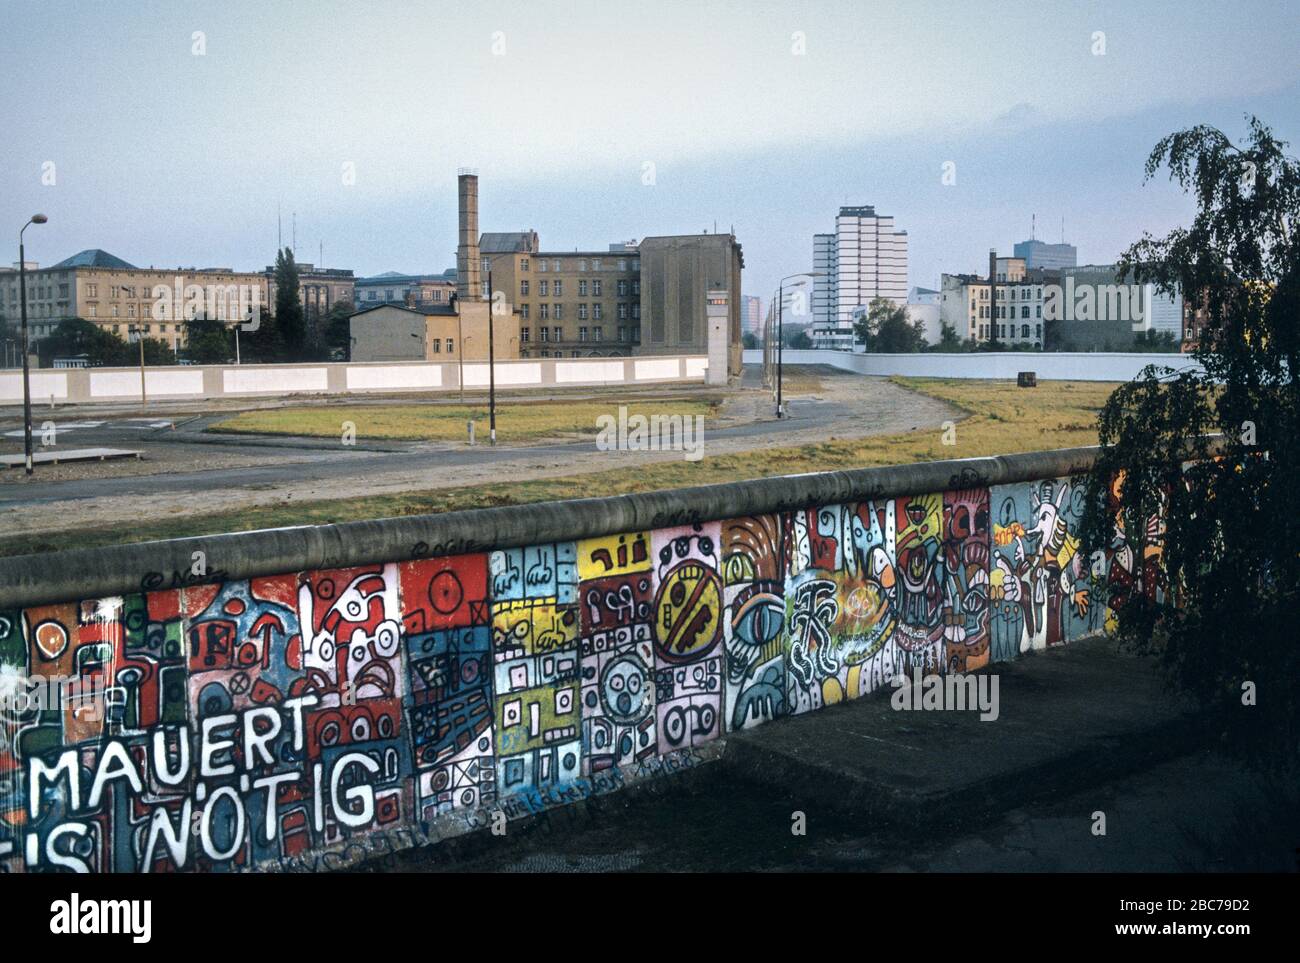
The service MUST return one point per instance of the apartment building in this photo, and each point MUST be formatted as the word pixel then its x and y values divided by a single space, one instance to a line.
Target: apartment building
pixel 1016 319
pixel 571 304
pixel 863 259
pixel 126 300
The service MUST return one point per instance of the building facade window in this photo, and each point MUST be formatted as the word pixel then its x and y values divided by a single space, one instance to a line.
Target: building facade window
pixel 523 311
pixel 557 288
pixel 523 335
pixel 582 288
pixel 543 313
pixel 582 332
pixel 582 312
pixel 559 312
pixel 543 288
pixel 595 310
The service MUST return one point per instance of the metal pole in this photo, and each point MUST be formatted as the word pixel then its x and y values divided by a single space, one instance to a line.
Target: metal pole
pixel 237 342
pixel 492 370
pixel 780 346
pixel 27 387
pixel 140 338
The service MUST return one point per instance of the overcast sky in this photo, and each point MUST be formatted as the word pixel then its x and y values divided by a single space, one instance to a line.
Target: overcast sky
pixel 762 116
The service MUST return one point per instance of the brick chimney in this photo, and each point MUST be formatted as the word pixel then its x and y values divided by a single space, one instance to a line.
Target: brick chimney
pixel 468 259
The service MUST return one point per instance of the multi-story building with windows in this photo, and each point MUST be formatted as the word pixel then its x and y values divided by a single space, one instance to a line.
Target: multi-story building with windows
pixel 413 290
pixel 864 259
pixel 570 304
pixel 1040 254
pixel 751 315
pixel 126 300
pixel 1016 319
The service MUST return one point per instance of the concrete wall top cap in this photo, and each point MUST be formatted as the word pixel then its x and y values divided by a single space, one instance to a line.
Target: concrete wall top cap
pixel 90 573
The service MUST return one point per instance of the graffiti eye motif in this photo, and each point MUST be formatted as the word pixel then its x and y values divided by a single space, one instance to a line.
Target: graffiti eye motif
pixel 960 522
pixel 758 620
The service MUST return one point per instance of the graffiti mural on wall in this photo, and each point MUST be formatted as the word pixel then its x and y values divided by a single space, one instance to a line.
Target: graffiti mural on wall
pixel 754 563
pixel 688 651
pixel 535 654
pixel 249 723
pixel 447 623
pixel 1043 590
pixel 616 601
pixel 842 600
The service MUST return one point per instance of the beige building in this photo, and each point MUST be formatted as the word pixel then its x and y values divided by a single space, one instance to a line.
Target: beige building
pixel 393 332
pixel 118 296
pixel 576 304
pixel 633 299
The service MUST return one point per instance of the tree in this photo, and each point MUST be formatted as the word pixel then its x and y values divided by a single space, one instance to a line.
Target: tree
pixel 750 340
pixel 949 340
pixel 75 337
pixel 799 339
pixel 886 330
pixel 1211 542
pixel 1155 341
pixel 338 332
pixel 290 324
pixel 208 341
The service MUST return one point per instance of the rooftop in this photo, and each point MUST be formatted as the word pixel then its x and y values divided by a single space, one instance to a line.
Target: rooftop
pixel 94 257
pixel 509 242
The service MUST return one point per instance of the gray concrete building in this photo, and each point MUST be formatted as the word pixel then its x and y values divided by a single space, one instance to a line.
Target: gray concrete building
pixel 680 276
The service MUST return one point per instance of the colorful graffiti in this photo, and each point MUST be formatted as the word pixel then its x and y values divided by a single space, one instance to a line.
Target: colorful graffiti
pixel 242 725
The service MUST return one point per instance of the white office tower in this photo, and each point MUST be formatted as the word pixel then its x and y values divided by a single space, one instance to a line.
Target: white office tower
pixel 865 259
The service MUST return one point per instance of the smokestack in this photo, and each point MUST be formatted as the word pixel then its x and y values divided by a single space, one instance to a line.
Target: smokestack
pixel 468 259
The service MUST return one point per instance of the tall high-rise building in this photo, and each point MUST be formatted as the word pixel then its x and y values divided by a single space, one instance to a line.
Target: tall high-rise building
pixel 751 314
pixel 1040 254
pixel 864 259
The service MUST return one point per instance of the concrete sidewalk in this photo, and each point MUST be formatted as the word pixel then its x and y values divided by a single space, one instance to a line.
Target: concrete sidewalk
pixel 1069 718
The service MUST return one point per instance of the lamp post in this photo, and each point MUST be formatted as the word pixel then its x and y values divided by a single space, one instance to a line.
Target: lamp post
pixel 138 331
pixel 27 386
pixel 492 369
pixel 780 333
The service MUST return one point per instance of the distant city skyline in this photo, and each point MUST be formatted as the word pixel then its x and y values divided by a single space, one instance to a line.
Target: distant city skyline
pixel 161 155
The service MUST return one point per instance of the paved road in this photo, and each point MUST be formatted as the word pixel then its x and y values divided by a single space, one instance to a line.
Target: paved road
pixel 317 460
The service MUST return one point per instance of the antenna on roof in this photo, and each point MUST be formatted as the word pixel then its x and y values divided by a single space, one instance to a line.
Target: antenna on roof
pixel 1033 226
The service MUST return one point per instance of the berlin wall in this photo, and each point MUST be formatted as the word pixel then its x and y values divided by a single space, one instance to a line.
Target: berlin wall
pixel 303 698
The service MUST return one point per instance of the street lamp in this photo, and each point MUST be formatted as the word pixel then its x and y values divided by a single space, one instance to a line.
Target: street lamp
pixel 492 369
pixel 780 332
pixel 138 331
pixel 27 387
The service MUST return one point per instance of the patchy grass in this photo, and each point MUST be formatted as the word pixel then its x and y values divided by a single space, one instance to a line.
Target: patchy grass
pixel 1001 419
pixel 516 421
